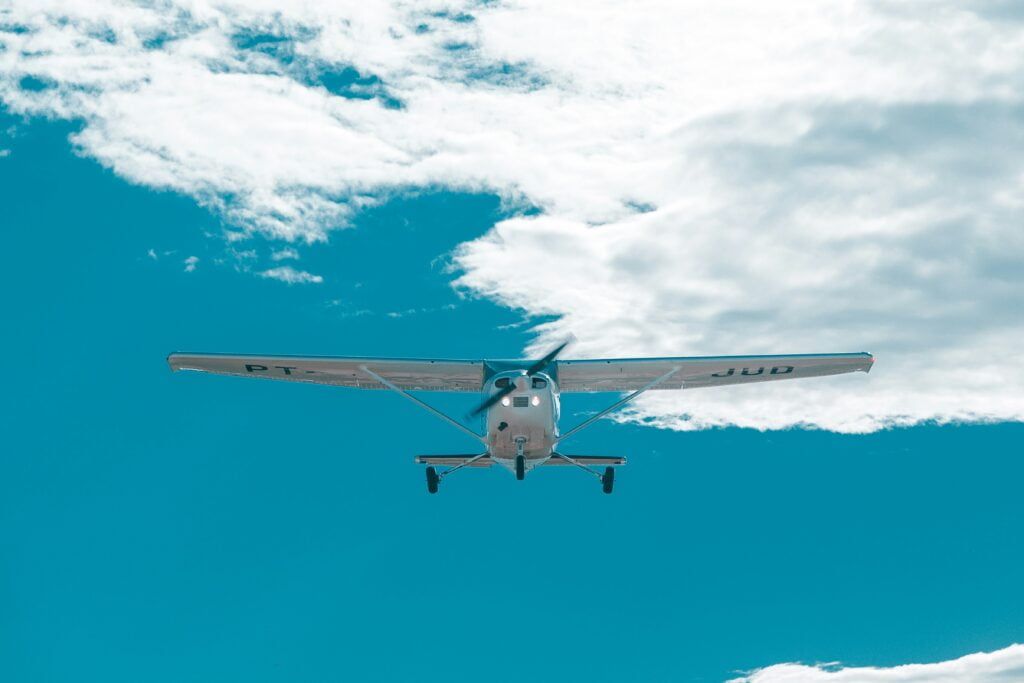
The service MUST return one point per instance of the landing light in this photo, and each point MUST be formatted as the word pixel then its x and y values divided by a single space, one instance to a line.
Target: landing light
pixel 535 401
pixel 505 402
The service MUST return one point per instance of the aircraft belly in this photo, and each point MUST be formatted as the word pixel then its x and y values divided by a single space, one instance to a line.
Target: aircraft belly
pixel 510 425
pixel 537 446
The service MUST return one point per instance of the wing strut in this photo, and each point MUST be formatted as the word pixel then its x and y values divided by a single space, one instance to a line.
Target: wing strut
pixel 617 405
pixel 426 406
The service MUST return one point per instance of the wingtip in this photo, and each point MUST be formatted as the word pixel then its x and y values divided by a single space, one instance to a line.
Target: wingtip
pixel 870 361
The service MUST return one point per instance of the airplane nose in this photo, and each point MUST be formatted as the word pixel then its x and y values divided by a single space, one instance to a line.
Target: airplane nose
pixel 522 383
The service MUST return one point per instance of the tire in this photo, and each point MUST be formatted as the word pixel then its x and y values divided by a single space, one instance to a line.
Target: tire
pixel 608 480
pixel 432 480
pixel 520 467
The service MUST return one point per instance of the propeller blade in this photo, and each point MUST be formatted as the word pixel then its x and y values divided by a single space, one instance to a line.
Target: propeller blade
pixel 532 370
pixel 551 355
pixel 492 399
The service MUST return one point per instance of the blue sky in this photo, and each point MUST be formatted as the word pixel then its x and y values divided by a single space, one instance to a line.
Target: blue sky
pixel 453 178
pixel 181 527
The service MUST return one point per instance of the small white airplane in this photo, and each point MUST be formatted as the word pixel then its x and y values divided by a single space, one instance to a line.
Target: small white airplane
pixel 521 397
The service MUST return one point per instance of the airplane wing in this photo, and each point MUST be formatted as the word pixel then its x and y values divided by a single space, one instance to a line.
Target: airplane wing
pixel 410 374
pixel 630 374
pixel 624 374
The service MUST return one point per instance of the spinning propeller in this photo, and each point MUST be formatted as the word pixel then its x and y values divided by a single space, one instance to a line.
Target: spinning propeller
pixel 548 358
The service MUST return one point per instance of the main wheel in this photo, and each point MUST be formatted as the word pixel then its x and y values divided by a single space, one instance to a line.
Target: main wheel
pixel 520 467
pixel 432 480
pixel 608 480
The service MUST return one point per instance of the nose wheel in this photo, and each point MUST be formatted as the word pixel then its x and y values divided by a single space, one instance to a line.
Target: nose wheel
pixel 520 442
pixel 432 480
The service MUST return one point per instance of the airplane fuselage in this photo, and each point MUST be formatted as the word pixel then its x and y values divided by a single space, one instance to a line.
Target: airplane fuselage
pixel 525 422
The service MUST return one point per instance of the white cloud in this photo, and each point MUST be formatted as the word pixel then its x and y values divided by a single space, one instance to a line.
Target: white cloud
pixel 4 153
pixel 283 254
pixel 733 177
pixel 291 275
pixel 190 263
pixel 982 667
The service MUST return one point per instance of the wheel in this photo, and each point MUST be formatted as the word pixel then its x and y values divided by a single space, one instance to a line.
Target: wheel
pixel 520 467
pixel 608 480
pixel 432 480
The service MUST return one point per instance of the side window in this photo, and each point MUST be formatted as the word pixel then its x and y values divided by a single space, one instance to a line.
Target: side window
pixel 501 382
pixel 539 383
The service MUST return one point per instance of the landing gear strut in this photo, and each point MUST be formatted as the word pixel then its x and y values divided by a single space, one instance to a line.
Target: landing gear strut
pixel 607 479
pixel 432 480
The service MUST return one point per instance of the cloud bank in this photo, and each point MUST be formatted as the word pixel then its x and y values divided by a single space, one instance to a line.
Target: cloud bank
pixel 693 179
pixel 982 667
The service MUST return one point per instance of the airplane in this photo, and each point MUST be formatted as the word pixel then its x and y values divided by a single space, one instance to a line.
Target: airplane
pixel 521 398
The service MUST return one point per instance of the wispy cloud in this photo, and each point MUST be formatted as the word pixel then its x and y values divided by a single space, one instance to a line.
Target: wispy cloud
pixel 705 178
pixel 417 311
pixel 291 275
pixel 982 667
pixel 190 263
pixel 284 254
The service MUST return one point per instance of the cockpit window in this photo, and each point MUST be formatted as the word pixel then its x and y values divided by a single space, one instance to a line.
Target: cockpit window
pixel 539 383
pixel 502 382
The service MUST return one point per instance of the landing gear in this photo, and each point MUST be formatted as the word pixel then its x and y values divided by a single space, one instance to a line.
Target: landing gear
pixel 608 479
pixel 432 480
pixel 520 442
